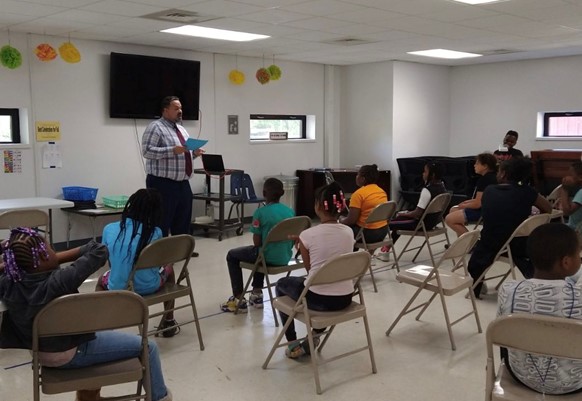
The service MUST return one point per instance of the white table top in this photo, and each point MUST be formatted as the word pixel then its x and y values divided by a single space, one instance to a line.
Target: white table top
pixel 33 203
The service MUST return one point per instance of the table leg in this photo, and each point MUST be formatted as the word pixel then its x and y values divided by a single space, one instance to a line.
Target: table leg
pixel 68 229
pixel 50 227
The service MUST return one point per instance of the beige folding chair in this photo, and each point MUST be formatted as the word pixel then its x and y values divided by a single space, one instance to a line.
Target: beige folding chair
pixel 553 198
pixel 87 313
pixel 508 331
pixel 350 266
pixel 34 218
pixel 442 283
pixel 436 207
pixel 279 233
pixel 504 254
pixel 164 251
pixel 382 212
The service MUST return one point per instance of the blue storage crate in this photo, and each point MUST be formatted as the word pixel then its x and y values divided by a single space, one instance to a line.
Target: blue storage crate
pixel 79 193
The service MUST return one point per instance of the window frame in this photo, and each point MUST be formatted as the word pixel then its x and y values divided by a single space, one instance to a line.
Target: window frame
pixel 14 115
pixel 291 117
pixel 546 124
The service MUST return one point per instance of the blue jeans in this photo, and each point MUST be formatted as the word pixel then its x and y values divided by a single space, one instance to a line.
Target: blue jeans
pixel 248 254
pixel 115 345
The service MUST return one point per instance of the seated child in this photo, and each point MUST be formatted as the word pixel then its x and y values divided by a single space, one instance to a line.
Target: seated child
pixel 363 201
pixel 470 210
pixel 555 253
pixel 408 220
pixel 504 207
pixel 139 226
pixel 571 207
pixel 32 278
pixel 317 245
pixel 509 141
pixel 279 254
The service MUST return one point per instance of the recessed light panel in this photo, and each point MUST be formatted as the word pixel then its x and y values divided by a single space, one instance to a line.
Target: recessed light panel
pixel 474 2
pixel 444 53
pixel 213 33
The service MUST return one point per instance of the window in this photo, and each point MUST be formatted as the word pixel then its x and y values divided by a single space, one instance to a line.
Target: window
pixel 563 125
pixel 263 124
pixel 9 126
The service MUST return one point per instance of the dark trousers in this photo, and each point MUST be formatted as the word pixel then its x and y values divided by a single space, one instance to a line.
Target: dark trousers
pixel 371 234
pixel 395 225
pixel 177 204
pixel 234 257
pixel 483 256
pixel 293 287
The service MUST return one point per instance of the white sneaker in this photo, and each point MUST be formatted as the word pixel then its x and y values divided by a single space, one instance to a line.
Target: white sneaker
pixel 168 396
pixel 256 300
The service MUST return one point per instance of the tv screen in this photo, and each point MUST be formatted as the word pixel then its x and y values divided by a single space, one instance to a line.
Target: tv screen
pixel 137 85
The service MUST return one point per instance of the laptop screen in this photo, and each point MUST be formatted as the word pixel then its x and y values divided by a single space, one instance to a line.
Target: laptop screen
pixel 213 163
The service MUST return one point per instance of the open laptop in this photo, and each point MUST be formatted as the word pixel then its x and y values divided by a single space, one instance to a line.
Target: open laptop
pixel 213 164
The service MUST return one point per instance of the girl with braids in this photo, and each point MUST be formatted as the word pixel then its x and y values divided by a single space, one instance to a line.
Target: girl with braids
pixel 140 225
pixel 363 201
pixel 317 245
pixel 32 278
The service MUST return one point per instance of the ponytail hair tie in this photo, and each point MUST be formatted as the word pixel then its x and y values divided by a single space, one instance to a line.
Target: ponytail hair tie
pixel 325 205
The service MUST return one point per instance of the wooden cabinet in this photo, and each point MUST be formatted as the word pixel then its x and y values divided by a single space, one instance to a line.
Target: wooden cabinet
pixel 550 166
pixel 310 180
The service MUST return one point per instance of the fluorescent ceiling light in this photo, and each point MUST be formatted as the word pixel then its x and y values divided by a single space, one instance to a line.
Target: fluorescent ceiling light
pixel 212 33
pixel 473 2
pixel 443 53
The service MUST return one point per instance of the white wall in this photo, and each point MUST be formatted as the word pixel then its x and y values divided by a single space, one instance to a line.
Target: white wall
pixel 488 100
pixel 102 152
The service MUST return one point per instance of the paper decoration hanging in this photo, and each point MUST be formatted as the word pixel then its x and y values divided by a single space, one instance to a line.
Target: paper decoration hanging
pixel 274 72
pixel 10 57
pixel 69 53
pixel 236 77
pixel 263 76
pixel 45 52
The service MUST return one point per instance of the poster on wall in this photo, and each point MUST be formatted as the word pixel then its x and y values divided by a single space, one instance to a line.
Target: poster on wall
pixel 48 131
pixel 13 161
pixel 51 156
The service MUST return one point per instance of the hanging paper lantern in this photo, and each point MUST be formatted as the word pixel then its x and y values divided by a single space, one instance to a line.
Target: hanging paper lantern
pixel 263 76
pixel 69 53
pixel 10 57
pixel 274 72
pixel 236 77
pixel 45 52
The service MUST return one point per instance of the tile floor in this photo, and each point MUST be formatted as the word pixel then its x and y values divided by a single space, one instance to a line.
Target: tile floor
pixel 415 363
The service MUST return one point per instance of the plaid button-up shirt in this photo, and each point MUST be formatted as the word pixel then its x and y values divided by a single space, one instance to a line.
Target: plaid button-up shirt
pixel 157 147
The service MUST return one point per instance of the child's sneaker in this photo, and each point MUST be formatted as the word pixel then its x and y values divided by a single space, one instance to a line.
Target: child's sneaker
pixel 294 350
pixel 230 305
pixel 256 300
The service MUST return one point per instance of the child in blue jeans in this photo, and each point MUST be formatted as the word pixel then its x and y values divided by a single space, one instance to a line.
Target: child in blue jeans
pixel 317 245
pixel 32 278
pixel 278 254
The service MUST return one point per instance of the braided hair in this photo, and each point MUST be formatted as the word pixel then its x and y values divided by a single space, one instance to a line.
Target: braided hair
pixel 330 198
pixel 23 252
pixel 144 207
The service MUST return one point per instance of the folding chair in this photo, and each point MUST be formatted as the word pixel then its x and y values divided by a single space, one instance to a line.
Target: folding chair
pixel 279 233
pixel 436 208
pixel 504 254
pixel 382 212
pixel 442 283
pixel 164 251
pixel 553 198
pixel 350 266
pixel 25 218
pixel 508 331
pixel 241 185
pixel 86 313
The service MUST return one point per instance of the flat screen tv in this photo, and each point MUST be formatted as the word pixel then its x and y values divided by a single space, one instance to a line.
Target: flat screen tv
pixel 137 85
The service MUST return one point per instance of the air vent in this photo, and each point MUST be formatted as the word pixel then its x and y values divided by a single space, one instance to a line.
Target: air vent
pixel 181 16
pixel 347 41
pixel 497 52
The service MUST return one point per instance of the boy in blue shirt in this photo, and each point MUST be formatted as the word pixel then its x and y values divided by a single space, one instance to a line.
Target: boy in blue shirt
pixel 279 254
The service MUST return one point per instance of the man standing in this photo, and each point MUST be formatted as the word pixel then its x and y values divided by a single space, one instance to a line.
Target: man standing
pixel 169 166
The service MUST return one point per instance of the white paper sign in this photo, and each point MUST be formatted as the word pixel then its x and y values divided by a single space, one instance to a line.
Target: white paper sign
pixel 51 156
